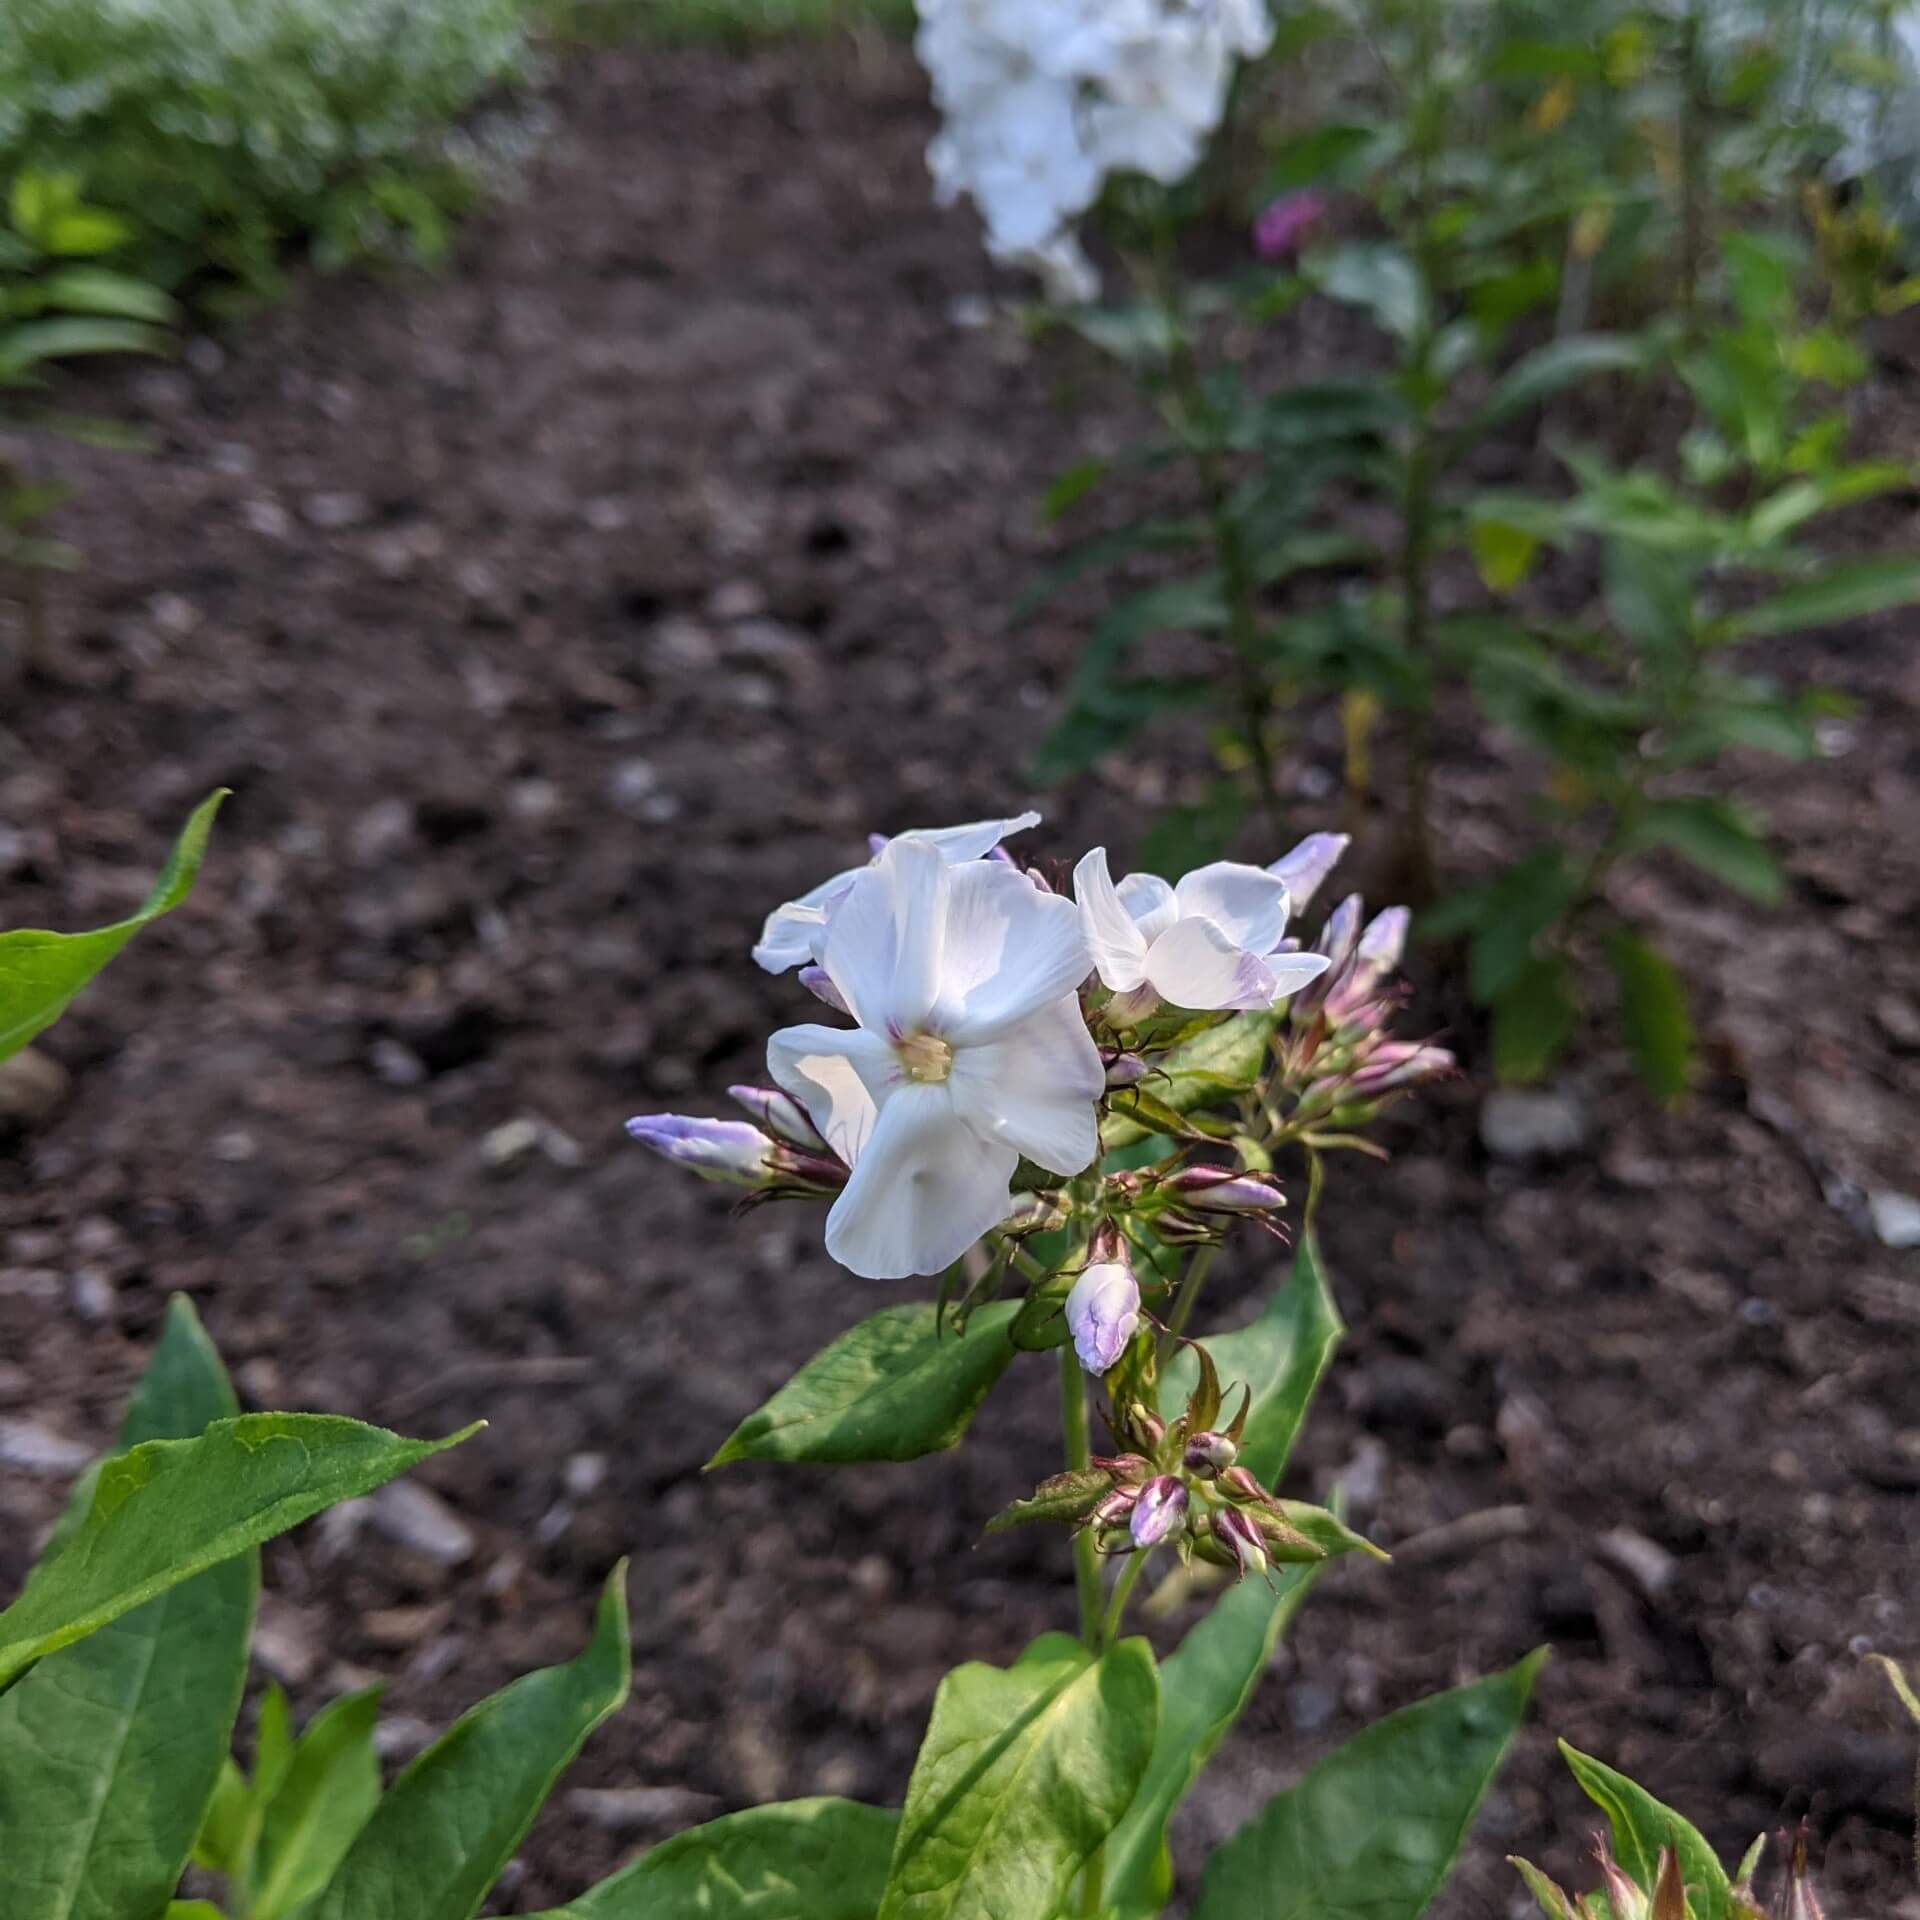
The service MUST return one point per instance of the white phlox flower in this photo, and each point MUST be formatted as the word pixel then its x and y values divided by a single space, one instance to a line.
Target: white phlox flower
pixel 796 932
pixel 970 1052
pixel 1207 943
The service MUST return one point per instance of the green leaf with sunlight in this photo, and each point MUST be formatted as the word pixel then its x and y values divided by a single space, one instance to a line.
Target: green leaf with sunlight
pixel 41 972
pixel 110 1749
pixel 454 1819
pixel 1222 1060
pixel 1372 1830
pixel 172 1508
pixel 1025 1770
pixel 1642 1826
pixel 894 1387
pixel 1281 1356
pixel 796 1860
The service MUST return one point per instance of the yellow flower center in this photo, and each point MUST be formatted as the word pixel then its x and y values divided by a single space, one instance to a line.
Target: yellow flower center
pixel 927 1058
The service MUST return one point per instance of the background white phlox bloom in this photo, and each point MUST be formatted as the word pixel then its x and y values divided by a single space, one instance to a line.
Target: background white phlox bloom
pixel 1041 100
pixel 795 933
pixel 1206 943
pixel 970 1052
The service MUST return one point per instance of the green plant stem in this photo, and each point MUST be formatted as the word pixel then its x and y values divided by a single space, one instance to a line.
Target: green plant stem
pixel 1086 1559
pixel 1189 1292
pixel 1122 1593
pixel 1692 185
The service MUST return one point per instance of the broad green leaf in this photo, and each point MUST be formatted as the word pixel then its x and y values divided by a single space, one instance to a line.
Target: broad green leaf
pixel 41 972
pixel 102 292
pixel 109 1750
pixel 1503 554
pixel 68 337
pixel 1372 1831
pixel 893 1387
pixel 1223 1059
pixel 1547 371
pixel 1205 1687
pixel 1642 1826
pixel 452 1821
pixel 1533 1020
pixel 1653 1011
pixel 1375 275
pixel 83 231
pixel 1025 1770
pixel 796 1860
pixel 1849 591
pixel 330 1788
pixel 1720 838
pixel 1280 1356
pixel 172 1508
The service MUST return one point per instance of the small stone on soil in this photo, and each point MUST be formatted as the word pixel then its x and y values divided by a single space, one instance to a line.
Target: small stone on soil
pixel 1519 1125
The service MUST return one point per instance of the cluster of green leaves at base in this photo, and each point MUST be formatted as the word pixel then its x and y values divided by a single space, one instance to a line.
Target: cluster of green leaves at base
pixel 1531 171
pixel 223 132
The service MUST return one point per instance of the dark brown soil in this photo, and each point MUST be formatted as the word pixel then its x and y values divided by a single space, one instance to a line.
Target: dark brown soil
pixel 555 619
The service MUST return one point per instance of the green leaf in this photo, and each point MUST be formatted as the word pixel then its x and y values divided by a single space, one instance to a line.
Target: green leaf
pixel 452 1821
pixel 1023 1773
pixel 1849 591
pixel 172 1508
pixel 1533 1020
pixel 1198 1071
pixel 1372 1831
pixel 1281 1356
pixel 83 231
pixel 1547 371
pixel 1653 1011
pixel 1720 838
pixel 1205 1687
pixel 1065 1496
pixel 1503 555
pixel 1642 1826
pixel 1071 487
pixel 41 972
pixel 69 337
pixel 102 292
pixel 193 1910
pixel 109 1750
pixel 327 1793
pixel 1508 916
pixel 1375 275
pixel 223 1826
pixel 1552 1900
pixel 893 1387
pixel 797 1860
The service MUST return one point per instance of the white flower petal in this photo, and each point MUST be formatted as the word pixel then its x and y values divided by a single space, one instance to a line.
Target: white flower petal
pixel 1149 903
pixel 1035 1088
pixel 1008 950
pixel 974 840
pixel 841 1077
pixel 796 932
pixel 1195 965
pixel 1247 904
pixel 925 1189
pixel 883 946
pixel 1292 971
pixel 1118 947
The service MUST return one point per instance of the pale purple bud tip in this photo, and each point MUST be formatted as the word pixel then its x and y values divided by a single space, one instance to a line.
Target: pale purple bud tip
pixel 727 1150
pixel 1160 1511
pixel 1124 1069
pixel 1102 1312
pixel 1209 1453
pixel 819 983
pixel 779 1115
pixel 1385 939
pixel 1307 865
pixel 1285 224
pixel 1241 1538
pixel 1341 934
pixel 1399 1064
pixel 1221 1190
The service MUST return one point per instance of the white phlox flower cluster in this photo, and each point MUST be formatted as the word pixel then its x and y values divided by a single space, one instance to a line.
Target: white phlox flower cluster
pixel 1042 100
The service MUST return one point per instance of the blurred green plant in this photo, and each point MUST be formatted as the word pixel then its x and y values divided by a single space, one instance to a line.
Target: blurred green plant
pixel 225 131
pixel 57 302
pixel 723 22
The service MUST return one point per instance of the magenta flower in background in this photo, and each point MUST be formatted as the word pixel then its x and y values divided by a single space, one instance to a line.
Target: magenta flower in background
pixel 1285 224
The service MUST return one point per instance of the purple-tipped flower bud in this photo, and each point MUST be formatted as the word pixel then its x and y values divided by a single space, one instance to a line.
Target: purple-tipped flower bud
pixel 1222 1190
pixel 1241 1484
pixel 819 983
pixel 1104 1307
pixel 1124 1069
pixel 1179 1228
pixel 1241 1538
pixel 779 1115
pixel 1160 1511
pixel 1625 1899
pixel 1398 1064
pixel 1114 1508
pixel 1307 865
pixel 1209 1453
pixel 1035 1213
pixel 1385 939
pixel 727 1150
pixel 1285 224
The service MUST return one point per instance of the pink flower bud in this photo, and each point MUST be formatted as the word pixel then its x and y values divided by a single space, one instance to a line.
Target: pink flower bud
pixel 1222 1190
pixel 1396 1065
pixel 1241 1538
pixel 1209 1453
pixel 819 983
pixel 779 1115
pixel 1307 865
pixel 1385 939
pixel 727 1150
pixel 1286 224
pixel 1159 1512
pixel 1102 1311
